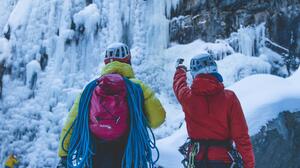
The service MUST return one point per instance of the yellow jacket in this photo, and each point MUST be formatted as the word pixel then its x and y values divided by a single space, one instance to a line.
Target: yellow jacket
pixel 11 161
pixel 152 106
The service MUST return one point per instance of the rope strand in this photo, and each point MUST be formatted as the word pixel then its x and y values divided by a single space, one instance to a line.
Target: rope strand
pixel 141 140
pixel 140 143
pixel 80 151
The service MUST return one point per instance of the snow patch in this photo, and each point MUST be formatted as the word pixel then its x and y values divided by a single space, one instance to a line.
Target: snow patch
pixel 32 70
pixel 276 61
pixel 19 16
pixel 264 96
pixel 5 51
pixel 89 17
pixel 238 66
pixel 219 50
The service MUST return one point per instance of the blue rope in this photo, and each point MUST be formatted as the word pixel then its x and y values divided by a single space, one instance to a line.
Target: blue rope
pixel 80 152
pixel 141 140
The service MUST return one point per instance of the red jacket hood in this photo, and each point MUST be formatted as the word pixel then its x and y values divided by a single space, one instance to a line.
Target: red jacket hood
pixel 206 85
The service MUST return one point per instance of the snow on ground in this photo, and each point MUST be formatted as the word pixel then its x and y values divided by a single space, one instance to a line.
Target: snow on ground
pixel 31 119
pixel 168 148
pixel 238 66
pixel 262 97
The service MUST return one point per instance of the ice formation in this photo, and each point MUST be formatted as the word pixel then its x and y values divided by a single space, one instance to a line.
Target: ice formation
pixel 53 48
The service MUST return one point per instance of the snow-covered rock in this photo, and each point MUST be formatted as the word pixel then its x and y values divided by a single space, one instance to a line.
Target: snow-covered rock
pixel 33 69
pixel 238 66
pixel 264 96
pixel 89 17
pixel 5 50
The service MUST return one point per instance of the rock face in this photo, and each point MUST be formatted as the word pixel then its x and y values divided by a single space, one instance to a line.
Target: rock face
pixel 210 20
pixel 277 145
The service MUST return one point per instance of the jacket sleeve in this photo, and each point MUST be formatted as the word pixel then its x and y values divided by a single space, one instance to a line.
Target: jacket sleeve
pixel 239 133
pixel 180 86
pixel 154 110
pixel 71 117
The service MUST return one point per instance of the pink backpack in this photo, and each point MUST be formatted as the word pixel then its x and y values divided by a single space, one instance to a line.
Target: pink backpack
pixel 109 113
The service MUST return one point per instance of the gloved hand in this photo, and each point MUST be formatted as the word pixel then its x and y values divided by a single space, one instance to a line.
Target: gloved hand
pixel 62 163
pixel 179 64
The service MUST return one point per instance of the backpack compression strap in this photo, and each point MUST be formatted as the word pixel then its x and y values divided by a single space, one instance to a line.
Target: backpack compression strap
pixel 141 140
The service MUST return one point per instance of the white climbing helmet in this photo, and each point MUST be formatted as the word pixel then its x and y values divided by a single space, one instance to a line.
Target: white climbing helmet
pixel 117 52
pixel 203 64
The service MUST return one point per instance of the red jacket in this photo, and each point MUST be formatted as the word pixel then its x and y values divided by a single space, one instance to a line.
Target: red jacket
pixel 211 112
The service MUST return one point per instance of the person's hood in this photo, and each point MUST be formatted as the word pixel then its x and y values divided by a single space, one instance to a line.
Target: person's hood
pixel 206 85
pixel 118 68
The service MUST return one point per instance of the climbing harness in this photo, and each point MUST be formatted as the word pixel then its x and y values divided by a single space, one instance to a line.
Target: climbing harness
pixel 235 156
pixel 191 148
pixel 193 153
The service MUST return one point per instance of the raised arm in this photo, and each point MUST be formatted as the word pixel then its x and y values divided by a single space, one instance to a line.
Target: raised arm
pixel 180 86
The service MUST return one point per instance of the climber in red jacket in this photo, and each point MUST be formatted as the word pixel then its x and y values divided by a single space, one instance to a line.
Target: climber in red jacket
pixel 214 117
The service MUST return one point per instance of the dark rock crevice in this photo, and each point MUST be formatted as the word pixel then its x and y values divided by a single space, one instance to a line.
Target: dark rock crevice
pixel 277 144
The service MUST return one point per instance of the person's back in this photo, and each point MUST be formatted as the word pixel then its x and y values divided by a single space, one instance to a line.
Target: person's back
pixel 213 114
pixel 109 147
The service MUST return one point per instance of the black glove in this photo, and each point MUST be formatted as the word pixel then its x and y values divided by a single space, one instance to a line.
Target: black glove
pixel 179 64
pixel 62 163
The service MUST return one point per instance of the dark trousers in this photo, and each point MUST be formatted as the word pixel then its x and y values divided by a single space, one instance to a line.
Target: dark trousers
pixel 109 154
pixel 212 164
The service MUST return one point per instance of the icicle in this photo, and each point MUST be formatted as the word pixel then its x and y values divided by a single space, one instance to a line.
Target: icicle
pixel 251 39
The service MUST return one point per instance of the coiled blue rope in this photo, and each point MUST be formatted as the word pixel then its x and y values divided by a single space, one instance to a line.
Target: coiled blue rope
pixel 80 152
pixel 141 140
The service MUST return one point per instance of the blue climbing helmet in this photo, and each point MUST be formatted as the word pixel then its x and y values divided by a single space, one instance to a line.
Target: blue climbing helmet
pixel 203 64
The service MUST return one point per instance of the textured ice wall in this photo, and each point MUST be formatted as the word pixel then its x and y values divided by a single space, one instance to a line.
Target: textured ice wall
pixel 52 49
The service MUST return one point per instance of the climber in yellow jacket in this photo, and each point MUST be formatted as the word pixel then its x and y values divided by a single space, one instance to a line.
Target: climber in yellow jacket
pixel 11 161
pixel 118 61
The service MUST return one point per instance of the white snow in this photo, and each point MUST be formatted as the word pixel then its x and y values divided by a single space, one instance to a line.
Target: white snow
pixel 5 51
pixel 220 49
pixel 89 17
pixel 19 16
pixel 168 148
pixel 264 96
pixel 30 125
pixel 276 61
pixel 32 68
pixel 238 66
